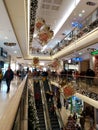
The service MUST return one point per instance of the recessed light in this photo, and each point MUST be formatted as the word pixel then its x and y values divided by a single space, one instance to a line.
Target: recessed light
pixel 80 15
pixel 10 44
pixel 15 51
pixel 5 37
pixel 91 3
pixel 83 11
pixel 42 63
pixel 34 35
pixel 80 53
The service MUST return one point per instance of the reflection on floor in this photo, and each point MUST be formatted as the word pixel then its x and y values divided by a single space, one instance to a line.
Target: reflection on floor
pixel 6 97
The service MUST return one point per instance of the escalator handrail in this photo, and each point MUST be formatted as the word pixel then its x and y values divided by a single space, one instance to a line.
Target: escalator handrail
pixel 57 112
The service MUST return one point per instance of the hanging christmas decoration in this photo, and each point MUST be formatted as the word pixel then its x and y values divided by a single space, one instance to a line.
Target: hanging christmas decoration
pixel 56 63
pixel 62 83
pixel 33 121
pixel 68 90
pixel 45 35
pixel 33 11
pixel 39 23
pixel 35 61
pixel 44 31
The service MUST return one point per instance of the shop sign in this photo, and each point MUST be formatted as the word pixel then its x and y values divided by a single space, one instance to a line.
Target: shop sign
pixel 94 52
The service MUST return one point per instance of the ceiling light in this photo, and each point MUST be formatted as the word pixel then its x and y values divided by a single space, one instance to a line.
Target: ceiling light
pixel 83 11
pixel 34 35
pixel 9 44
pixel 80 53
pixel 5 37
pixel 80 15
pixel 90 3
pixel 15 51
pixel 42 63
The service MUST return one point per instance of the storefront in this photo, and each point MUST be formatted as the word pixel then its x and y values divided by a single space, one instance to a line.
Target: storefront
pixel 75 104
pixel 4 60
pixel 95 63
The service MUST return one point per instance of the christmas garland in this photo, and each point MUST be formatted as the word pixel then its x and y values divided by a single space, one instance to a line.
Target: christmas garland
pixel 33 122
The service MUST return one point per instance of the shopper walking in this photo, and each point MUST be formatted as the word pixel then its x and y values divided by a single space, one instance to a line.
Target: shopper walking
pixel 8 76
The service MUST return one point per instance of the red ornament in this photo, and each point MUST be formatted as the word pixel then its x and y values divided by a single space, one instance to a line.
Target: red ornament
pixel 43 37
pixel 35 60
pixel 40 22
pixel 68 91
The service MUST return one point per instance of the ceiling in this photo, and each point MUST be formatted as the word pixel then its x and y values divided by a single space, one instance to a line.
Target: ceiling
pixel 14 23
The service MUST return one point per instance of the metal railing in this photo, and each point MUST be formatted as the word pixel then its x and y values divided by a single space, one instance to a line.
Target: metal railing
pixel 85 85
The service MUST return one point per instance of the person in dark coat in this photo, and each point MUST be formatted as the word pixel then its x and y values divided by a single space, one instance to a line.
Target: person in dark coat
pixel 75 116
pixel 8 76
pixel 82 122
pixel 37 99
pixel 90 76
pixel 59 106
pixel 52 110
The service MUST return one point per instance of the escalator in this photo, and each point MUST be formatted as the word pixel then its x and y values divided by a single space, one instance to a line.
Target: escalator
pixel 53 117
pixel 39 106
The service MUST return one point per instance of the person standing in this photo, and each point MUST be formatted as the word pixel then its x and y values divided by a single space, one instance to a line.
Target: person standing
pixel 59 106
pixel 82 122
pixel 90 77
pixel 22 74
pixel 8 76
pixel 37 99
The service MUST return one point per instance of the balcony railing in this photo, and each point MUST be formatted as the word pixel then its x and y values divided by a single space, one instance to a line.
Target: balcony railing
pixel 15 113
pixel 85 85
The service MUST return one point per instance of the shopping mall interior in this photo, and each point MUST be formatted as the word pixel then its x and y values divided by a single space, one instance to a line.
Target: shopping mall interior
pixel 51 47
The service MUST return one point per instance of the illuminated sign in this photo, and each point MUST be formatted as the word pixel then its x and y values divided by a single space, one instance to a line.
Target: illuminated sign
pixel 94 52
pixel 77 59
